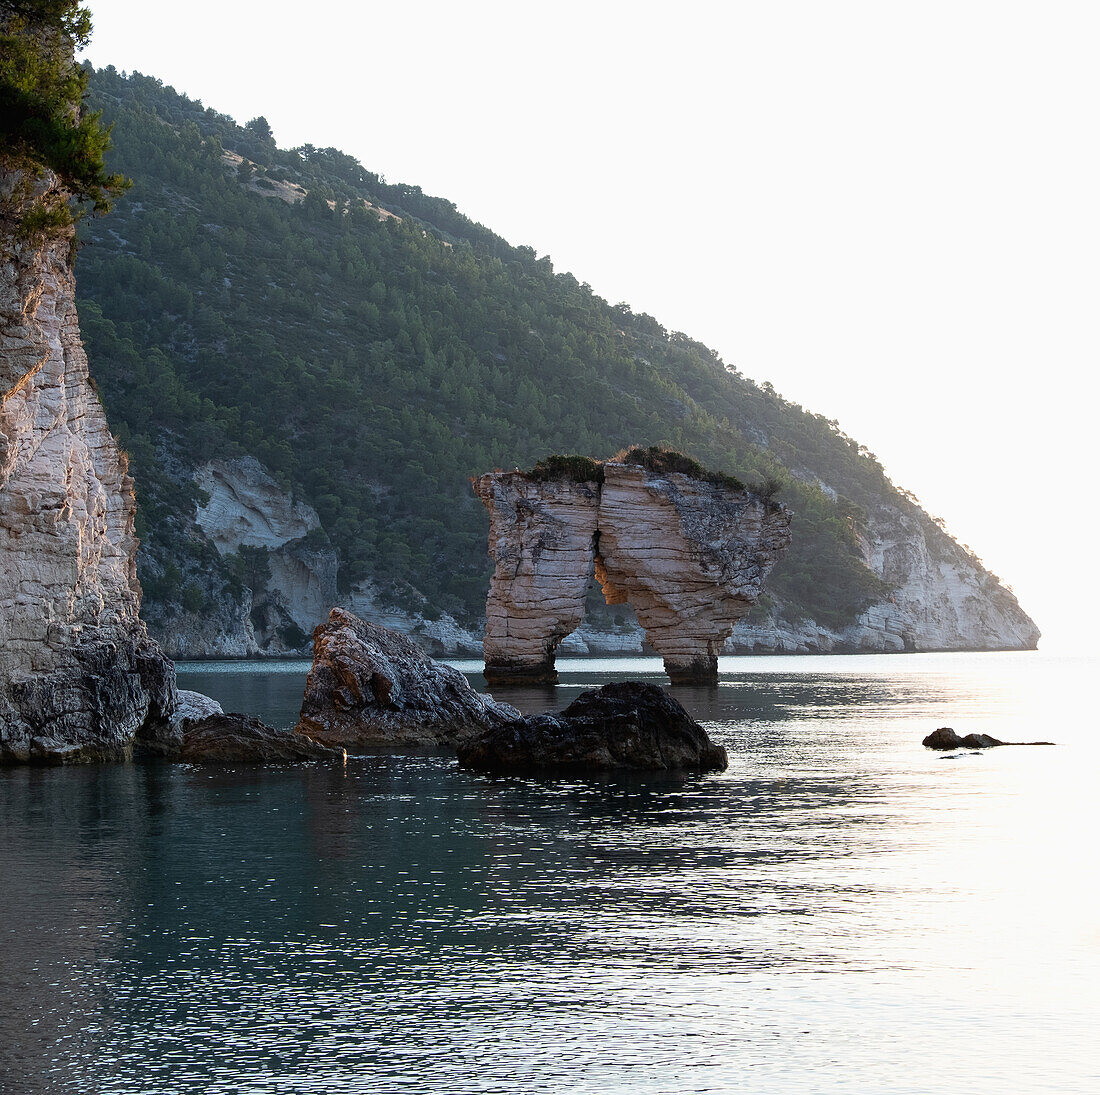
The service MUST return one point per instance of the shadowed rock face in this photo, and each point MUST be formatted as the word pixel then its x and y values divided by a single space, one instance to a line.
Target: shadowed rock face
pixel 689 555
pixel 370 686
pixel 627 725
pixel 79 677
pixel 244 739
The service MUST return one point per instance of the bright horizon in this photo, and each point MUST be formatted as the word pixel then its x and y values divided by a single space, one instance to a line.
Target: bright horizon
pixel 890 214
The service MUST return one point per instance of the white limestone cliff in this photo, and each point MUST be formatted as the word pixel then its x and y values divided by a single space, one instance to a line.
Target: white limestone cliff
pixel 942 599
pixel 79 677
pixel 247 508
pixel 542 538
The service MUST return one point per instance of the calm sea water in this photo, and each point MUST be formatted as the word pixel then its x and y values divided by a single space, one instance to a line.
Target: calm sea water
pixel 841 911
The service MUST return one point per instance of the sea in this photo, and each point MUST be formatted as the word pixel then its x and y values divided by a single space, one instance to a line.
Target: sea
pixel 842 910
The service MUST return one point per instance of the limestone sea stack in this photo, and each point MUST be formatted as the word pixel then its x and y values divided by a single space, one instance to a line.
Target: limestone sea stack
pixel 79 677
pixel 370 687
pixel 688 551
pixel 542 538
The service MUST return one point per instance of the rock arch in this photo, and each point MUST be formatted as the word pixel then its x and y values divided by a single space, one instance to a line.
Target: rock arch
pixel 689 554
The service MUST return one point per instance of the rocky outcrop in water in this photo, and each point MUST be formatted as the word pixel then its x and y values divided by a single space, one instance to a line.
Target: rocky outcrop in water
pixel 689 554
pixel 245 739
pixel 542 538
pixel 370 687
pixel 946 738
pixel 80 678
pixel 193 707
pixel 627 725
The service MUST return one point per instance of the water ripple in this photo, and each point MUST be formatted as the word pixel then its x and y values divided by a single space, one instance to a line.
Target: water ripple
pixel 838 912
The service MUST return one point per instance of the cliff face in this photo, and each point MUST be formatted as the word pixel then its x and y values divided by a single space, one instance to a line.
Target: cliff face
pixel 542 538
pixel 943 599
pixel 287 577
pixel 292 592
pixel 689 555
pixel 79 676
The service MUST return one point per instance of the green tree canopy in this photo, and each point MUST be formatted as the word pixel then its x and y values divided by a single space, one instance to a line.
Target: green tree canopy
pixel 43 122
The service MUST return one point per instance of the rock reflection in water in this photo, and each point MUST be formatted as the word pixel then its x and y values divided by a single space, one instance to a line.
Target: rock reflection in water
pixel 410 926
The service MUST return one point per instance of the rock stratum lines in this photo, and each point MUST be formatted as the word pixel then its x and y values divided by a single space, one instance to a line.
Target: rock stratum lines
pixel 690 556
pixel 80 679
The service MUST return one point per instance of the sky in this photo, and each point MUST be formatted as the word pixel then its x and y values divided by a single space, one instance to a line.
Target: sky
pixel 890 211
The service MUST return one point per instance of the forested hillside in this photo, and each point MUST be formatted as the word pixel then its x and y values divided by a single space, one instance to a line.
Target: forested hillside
pixel 372 348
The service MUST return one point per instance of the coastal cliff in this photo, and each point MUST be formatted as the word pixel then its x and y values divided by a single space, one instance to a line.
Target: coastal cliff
pixel 227 323
pixel 688 551
pixel 266 575
pixel 941 598
pixel 80 678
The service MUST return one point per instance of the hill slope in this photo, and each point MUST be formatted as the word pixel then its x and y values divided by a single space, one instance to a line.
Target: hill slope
pixel 307 364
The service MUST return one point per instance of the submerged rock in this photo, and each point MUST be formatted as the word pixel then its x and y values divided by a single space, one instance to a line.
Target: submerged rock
pixel 619 726
pixel 370 686
pixel 245 739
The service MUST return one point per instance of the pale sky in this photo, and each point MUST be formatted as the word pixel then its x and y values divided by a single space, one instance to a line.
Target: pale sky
pixel 889 210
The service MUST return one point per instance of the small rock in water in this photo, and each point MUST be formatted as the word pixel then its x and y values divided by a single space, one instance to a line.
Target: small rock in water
pixel 245 739
pixel 627 725
pixel 946 738
pixel 981 741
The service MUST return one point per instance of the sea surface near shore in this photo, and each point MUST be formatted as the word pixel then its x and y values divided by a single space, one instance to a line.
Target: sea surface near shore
pixel 841 911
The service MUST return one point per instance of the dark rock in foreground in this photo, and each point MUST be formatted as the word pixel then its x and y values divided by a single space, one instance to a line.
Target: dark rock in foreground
pixel 370 686
pixel 244 739
pixel 108 700
pixel 620 726
pixel 946 738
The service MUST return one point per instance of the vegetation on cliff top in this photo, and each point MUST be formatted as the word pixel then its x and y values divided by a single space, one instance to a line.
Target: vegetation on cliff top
pixel 663 461
pixel 43 119
pixel 572 468
pixel 655 458
pixel 373 348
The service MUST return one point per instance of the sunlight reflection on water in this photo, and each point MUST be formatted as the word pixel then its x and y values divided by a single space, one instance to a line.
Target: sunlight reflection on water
pixel 840 911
